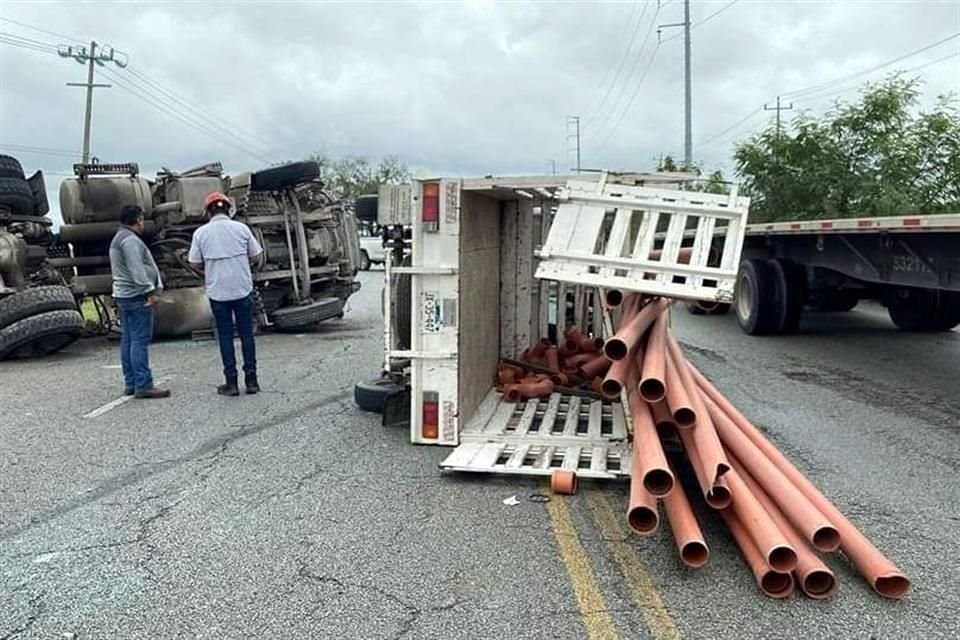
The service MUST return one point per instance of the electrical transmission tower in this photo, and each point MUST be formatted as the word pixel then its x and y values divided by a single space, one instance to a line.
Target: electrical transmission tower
pixel 90 57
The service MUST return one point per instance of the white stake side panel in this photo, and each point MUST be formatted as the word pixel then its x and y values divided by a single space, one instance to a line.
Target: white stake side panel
pixel 587 245
pixel 435 316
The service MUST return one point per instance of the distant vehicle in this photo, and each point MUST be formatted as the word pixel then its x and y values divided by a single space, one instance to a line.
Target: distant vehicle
pixel 310 240
pixel 38 314
pixel 372 249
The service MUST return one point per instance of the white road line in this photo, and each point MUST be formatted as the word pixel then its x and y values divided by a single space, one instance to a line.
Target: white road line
pixel 113 404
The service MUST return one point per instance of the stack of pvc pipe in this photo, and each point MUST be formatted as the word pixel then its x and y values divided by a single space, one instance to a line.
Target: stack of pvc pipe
pixel 777 517
pixel 576 362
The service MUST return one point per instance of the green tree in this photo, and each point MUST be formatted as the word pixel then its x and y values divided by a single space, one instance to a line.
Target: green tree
pixel 880 155
pixel 352 176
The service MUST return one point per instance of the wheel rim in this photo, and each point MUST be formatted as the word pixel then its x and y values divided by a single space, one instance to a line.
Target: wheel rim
pixel 744 297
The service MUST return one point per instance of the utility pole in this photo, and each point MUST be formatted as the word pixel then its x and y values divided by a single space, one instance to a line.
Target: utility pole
pixel 553 165
pixel 90 57
pixel 778 109
pixel 575 121
pixel 688 88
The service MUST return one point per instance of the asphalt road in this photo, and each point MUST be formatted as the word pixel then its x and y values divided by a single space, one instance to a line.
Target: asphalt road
pixel 293 515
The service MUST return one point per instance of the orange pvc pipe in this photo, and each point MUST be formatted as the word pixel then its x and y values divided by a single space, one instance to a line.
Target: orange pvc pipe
pixel 662 418
pixel 686 530
pixel 884 576
pixel 708 443
pixel 683 257
pixel 619 374
pixel 552 358
pixel 533 389
pixel 642 514
pixel 718 494
pixel 597 385
pixel 771 542
pixel 771 583
pixel 511 393
pixel 648 457
pixel 580 359
pixel 596 367
pixel 563 482
pixel 815 578
pixel 807 519
pixel 653 374
pixel 678 401
pixel 631 332
pixel 586 344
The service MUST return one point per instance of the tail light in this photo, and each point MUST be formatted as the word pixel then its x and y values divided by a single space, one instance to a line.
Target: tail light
pixel 430 424
pixel 430 211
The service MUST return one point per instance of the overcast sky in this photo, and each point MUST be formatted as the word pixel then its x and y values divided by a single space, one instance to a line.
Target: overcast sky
pixel 456 88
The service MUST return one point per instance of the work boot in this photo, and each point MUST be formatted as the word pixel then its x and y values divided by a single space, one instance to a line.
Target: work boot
pixel 250 382
pixel 128 391
pixel 229 388
pixel 151 393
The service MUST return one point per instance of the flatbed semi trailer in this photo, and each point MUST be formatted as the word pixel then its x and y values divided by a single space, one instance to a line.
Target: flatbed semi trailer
pixel 911 264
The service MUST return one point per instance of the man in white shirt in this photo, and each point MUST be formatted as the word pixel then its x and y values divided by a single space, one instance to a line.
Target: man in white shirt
pixel 223 249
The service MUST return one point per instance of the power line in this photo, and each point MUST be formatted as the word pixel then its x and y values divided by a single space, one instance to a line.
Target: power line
pixel 633 97
pixel 38 29
pixel 623 61
pixel 716 136
pixel 702 22
pixel 798 92
pixel 44 151
pixel 630 75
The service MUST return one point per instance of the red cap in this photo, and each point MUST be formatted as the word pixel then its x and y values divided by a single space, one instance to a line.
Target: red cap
pixel 215 197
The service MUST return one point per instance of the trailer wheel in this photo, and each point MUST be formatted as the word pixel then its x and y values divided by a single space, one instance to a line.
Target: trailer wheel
pixel 372 395
pixel 10 167
pixel 948 311
pixel 31 302
pixel 16 194
pixel 920 310
pixel 791 281
pixel 40 335
pixel 834 300
pixel 402 309
pixel 704 308
pixel 757 297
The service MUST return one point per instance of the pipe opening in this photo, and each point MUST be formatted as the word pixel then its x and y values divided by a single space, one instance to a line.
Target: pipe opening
pixel 892 586
pixel 776 585
pixel 511 393
pixel 819 583
pixel 643 519
pixel 719 497
pixel 684 417
pixel 695 554
pixel 614 298
pixel 598 344
pixel 826 538
pixel 652 390
pixel 611 388
pixel 571 345
pixel 782 559
pixel 615 349
pixel 659 482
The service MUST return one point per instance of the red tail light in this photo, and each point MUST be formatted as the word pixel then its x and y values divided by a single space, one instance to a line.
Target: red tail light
pixel 430 427
pixel 430 211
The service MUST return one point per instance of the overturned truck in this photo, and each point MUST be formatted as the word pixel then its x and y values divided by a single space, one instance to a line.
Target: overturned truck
pixel 311 246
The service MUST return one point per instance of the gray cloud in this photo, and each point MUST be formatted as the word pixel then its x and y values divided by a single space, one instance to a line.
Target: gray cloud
pixel 462 88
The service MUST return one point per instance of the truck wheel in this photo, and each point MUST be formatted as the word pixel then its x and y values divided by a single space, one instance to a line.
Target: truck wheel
pixel 921 310
pixel 703 308
pixel 295 318
pixel 41 334
pixel 757 297
pixel 10 167
pixel 16 194
pixel 402 309
pixel 364 260
pixel 31 302
pixel 948 311
pixel 372 395
pixel 791 281
pixel 284 176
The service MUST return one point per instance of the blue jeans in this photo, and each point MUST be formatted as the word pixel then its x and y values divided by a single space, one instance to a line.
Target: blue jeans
pixel 224 313
pixel 136 332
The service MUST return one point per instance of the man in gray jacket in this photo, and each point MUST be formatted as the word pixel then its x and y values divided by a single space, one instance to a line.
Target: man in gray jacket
pixel 136 285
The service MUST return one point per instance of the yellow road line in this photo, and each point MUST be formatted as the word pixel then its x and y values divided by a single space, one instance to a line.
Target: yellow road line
pixel 593 609
pixel 642 589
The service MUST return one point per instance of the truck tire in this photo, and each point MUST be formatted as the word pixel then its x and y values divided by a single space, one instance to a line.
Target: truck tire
pixel 923 310
pixel 791 281
pixel 40 335
pixel 403 308
pixel 757 297
pixel 364 260
pixel 10 167
pixel 284 176
pixel 16 194
pixel 371 395
pixel 366 208
pixel 31 302
pixel 301 317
